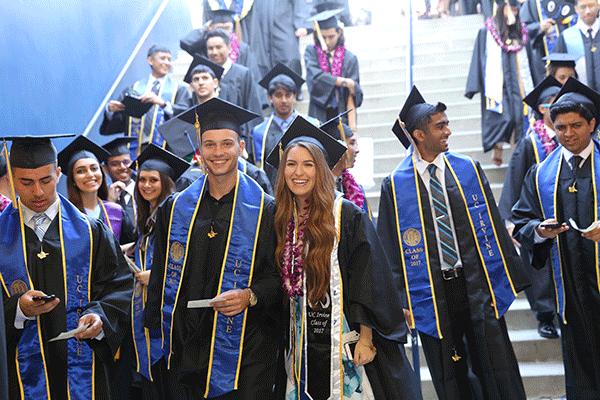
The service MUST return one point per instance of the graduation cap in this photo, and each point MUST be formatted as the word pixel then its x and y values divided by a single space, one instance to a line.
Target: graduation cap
pixel 575 92
pixel 155 158
pixel 563 59
pixel 300 130
pixel 558 10
pixel 180 135
pixel 543 92
pixel 332 127
pixel 118 146
pixel 414 110
pixel 199 60
pixel 134 106
pixel 217 114
pixel 80 148
pixel 281 74
pixel 221 16
pixel 327 19
pixel 33 151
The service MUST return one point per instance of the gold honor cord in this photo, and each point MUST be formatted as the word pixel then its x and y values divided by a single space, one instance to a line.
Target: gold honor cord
pixel 320 35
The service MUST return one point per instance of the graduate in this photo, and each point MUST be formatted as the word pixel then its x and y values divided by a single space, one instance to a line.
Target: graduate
pixel 86 186
pixel 582 39
pixel 116 166
pixel 157 169
pixel 59 271
pixel 558 200
pixel 535 146
pixel 337 282
pixel 204 78
pixel 215 241
pixel 282 85
pixel 439 223
pixel 344 180
pixel 500 51
pixel 331 71
pixel 166 96
pixel 561 66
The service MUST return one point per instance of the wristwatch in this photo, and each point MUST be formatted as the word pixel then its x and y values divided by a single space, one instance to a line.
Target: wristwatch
pixel 252 300
pixel 344 83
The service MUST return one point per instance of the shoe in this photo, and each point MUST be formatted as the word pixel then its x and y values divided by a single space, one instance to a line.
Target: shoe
pixel 547 330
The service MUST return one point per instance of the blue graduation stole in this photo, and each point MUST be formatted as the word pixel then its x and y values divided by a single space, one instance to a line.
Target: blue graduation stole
pixel 242 7
pixel 147 349
pixel 236 273
pixel 574 41
pixel 546 180
pixel 415 248
pixel 167 92
pixel 549 39
pixel 242 166
pixel 259 137
pixel 75 231
pixel 538 147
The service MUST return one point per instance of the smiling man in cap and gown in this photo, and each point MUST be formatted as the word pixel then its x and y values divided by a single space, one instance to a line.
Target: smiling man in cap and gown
pixel 439 223
pixel 91 284
pixel 216 239
pixel 563 190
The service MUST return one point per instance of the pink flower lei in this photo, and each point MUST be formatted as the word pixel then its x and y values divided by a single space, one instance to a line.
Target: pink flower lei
pixel 511 47
pixel 540 128
pixel 293 271
pixel 235 47
pixel 337 62
pixel 352 191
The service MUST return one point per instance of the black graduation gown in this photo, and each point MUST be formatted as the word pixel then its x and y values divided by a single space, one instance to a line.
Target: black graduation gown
pixel 194 172
pixel 192 328
pixel 321 85
pixel 370 300
pixel 3 358
pixel 581 334
pixel 491 352
pixel 112 288
pixel 592 58
pixel 541 292
pixel 127 206
pixel 496 127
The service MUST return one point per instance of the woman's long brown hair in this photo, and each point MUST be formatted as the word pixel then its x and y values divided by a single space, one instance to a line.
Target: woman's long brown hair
pixel 146 216
pixel 506 31
pixel 74 193
pixel 320 230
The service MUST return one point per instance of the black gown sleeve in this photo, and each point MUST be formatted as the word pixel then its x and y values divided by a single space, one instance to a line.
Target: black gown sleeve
pixel 3 359
pixel 115 123
pixel 521 160
pixel 183 101
pixel 560 46
pixel 477 68
pixel 529 16
pixel 127 229
pixel 320 84
pixel 194 42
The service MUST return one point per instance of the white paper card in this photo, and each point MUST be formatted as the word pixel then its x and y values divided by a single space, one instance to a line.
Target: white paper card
pixel 205 303
pixel 70 334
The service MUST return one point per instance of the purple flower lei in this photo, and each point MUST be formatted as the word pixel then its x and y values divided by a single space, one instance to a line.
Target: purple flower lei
pixel 351 189
pixel 4 202
pixel 336 63
pixel 235 47
pixel 540 128
pixel 293 271
pixel 514 46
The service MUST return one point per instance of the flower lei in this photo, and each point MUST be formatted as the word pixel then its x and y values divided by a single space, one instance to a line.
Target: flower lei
pixel 540 128
pixel 235 47
pixel 293 271
pixel 352 191
pixel 4 202
pixel 336 63
pixel 512 46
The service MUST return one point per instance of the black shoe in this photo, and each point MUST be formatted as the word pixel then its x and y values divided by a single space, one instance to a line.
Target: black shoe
pixel 547 330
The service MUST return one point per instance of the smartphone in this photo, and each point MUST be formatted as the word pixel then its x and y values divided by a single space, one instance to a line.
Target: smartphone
pixel 45 298
pixel 349 349
pixel 552 225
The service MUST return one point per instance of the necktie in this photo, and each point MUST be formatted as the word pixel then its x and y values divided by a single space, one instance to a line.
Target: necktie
pixel 575 161
pixel 156 87
pixel 38 219
pixel 447 240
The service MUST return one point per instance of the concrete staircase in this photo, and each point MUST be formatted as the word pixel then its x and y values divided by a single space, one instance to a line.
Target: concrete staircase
pixel 442 55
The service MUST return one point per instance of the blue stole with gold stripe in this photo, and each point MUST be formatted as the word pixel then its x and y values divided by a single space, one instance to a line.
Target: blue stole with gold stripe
pixel 416 250
pixel 538 147
pixel 147 349
pixel 546 180
pixel 135 126
pixel 75 231
pixel 236 273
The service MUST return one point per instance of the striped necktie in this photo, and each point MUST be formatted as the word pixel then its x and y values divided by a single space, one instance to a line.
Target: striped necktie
pixel 38 220
pixel 449 255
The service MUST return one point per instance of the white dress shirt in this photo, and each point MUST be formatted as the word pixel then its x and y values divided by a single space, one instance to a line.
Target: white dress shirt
pixel 584 28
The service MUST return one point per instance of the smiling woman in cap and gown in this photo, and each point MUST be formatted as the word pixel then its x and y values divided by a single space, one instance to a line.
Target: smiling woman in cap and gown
pixel 337 283
pixel 49 247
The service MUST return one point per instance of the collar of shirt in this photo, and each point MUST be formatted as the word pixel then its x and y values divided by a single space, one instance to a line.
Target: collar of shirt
pixel 151 80
pixel 51 212
pixel 584 28
pixel 130 187
pixel 422 166
pixel 284 122
pixel 226 66
pixel 585 153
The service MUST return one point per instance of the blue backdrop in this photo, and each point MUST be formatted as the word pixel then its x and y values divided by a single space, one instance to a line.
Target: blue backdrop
pixel 60 58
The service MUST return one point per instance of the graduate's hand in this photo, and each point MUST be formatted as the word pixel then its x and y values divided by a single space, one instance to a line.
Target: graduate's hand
pixel 550 233
pixel 153 98
pixel 236 301
pixel 33 308
pixel 546 24
pixel 93 330
pixel 143 277
pixel 364 352
pixel 510 232
pixel 594 234
pixel 408 317
pixel 351 85
pixel 114 191
pixel 300 32
pixel 115 106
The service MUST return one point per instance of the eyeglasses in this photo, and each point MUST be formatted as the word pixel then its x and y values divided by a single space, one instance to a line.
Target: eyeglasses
pixel 116 163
